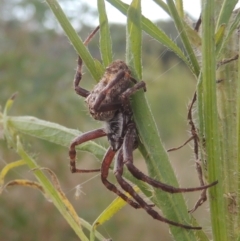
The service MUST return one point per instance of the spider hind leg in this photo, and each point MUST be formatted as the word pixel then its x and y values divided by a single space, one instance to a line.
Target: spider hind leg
pixel 128 148
pixel 107 160
pixel 128 188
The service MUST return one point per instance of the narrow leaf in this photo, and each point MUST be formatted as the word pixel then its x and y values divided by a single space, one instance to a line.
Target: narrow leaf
pixel 179 7
pixel 52 132
pixel 99 68
pixel 105 37
pixel 134 38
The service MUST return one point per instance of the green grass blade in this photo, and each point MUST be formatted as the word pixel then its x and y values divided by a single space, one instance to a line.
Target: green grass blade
pixel 105 37
pixel 74 38
pixel 151 29
pixel 179 7
pixel 99 68
pixel 134 38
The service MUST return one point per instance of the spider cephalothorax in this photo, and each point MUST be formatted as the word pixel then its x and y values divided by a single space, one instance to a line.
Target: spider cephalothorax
pixel 109 101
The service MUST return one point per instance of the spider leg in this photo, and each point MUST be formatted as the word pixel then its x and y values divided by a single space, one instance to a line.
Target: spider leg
pixel 78 76
pixel 128 145
pixel 148 208
pixel 194 132
pixel 139 85
pixel 118 172
pixel 179 147
pixel 91 35
pixel 135 82
pixel 91 135
pixel 107 160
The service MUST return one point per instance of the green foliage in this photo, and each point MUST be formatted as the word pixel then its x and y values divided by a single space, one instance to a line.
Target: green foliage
pixel 218 104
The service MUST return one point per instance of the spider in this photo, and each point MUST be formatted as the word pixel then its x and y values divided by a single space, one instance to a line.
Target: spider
pixel 109 101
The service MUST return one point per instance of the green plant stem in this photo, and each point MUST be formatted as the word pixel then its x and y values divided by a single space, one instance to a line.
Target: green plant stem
pixel 211 129
pixel 238 140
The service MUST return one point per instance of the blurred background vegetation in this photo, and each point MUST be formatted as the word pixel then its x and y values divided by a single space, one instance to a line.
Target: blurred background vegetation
pixel 37 61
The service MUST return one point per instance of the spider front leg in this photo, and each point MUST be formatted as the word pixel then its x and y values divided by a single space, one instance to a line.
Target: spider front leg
pixel 91 135
pixel 128 188
pixel 137 86
pixel 78 76
pixel 128 146
pixel 107 160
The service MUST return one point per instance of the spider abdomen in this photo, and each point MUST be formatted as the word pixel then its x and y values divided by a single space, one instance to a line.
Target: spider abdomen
pixel 117 75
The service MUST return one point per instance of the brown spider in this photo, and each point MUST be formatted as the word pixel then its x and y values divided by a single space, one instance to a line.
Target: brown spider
pixel 109 101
